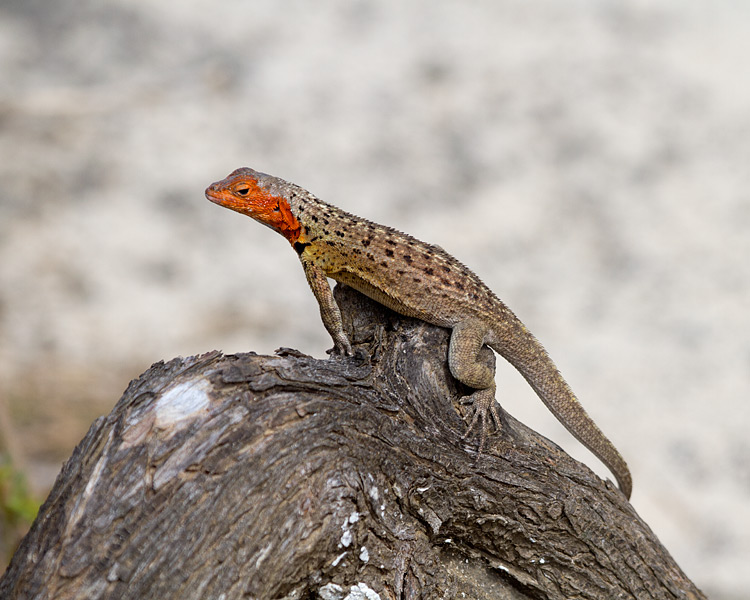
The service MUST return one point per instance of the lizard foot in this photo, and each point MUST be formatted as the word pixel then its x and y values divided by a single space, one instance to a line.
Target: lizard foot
pixel 483 403
pixel 342 347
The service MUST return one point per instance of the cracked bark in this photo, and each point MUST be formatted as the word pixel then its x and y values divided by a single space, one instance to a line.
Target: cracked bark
pixel 248 476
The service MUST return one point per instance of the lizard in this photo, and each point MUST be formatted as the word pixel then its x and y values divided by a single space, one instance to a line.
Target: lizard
pixel 415 279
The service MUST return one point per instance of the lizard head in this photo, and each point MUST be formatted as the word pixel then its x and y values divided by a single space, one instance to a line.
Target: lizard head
pixel 259 196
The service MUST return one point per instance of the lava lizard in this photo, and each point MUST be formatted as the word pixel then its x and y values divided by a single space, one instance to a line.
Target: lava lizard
pixel 415 279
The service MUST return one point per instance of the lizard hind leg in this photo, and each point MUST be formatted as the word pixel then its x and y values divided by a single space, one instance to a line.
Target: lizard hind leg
pixel 473 364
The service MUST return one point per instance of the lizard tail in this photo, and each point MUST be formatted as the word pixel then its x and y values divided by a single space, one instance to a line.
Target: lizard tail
pixel 521 349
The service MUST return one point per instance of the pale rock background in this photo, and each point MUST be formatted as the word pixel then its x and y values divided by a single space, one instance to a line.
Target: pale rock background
pixel 590 160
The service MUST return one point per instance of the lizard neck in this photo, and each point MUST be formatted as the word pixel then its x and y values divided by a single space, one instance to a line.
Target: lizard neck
pixel 271 210
pixel 282 219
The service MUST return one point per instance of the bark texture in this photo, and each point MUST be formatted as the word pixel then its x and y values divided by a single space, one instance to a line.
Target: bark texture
pixel 286 476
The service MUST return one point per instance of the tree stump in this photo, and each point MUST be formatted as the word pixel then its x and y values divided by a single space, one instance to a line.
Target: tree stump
pixel 247 476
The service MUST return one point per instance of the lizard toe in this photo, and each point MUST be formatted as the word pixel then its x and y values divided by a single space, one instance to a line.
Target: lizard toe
pixel 484 410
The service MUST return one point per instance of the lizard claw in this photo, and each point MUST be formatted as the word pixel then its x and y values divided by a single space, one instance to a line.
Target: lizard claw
pixel 483 402
pixel 341 348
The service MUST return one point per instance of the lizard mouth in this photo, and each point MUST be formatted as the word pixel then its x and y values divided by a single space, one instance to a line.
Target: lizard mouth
pixel 215 196
pixel 210 194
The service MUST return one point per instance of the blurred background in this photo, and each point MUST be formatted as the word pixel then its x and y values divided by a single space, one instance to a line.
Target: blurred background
pixel 589 160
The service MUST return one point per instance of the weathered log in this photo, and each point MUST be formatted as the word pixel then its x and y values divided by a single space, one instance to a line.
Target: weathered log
pixel 286 476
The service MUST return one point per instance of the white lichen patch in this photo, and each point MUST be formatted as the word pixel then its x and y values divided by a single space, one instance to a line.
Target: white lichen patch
pixel 181 405
pixel 362 591
pixel 338 559
pixel 331 591
pixel 347 536
pixel 346 539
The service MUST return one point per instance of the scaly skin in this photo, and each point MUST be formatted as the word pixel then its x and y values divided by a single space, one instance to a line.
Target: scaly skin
pixel 417 280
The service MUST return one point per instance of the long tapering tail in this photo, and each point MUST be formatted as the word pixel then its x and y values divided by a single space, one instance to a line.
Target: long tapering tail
pixel 521 349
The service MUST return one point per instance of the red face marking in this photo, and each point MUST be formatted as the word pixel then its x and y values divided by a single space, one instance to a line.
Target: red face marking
pixel 242 193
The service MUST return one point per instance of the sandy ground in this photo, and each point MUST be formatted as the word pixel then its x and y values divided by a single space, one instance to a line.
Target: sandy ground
pixel 588 159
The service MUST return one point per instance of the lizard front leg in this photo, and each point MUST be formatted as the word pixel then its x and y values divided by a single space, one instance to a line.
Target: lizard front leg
pixel 329 310
pixel 473 364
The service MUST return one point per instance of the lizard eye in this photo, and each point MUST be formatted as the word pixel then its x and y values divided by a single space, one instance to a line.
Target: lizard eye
pixel 242 190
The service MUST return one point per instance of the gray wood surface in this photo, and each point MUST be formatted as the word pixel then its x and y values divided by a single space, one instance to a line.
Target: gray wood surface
pixel 247 476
